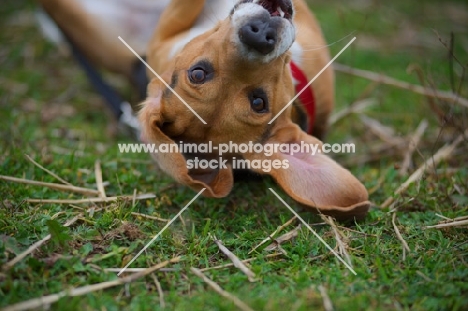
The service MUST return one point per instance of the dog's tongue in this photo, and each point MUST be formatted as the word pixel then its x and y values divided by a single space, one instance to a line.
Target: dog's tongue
pixel 278 7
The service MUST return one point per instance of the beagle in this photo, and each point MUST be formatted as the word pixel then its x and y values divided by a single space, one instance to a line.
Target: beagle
pixel 237 64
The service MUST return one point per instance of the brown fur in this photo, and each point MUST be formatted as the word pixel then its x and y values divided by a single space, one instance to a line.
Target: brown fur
pixel 315 181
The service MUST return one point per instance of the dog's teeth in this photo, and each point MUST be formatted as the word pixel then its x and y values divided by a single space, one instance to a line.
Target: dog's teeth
pixel 281 12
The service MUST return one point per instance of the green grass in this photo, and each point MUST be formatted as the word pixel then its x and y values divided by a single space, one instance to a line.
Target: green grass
pixel 51 113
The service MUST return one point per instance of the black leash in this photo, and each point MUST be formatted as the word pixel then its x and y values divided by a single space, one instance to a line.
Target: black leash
pixel 121 109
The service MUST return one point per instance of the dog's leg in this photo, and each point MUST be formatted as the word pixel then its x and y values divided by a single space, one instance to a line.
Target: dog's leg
pixel 100 47
pixel 175 22
pixel 178 16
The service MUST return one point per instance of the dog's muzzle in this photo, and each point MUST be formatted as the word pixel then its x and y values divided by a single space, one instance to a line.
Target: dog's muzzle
pixel 264 26
pixel 260 34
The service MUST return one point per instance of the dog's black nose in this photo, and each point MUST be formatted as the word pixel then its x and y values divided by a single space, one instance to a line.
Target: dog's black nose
pixel 259 35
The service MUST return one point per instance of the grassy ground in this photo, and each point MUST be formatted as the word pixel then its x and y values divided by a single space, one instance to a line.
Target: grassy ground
pixel 50 113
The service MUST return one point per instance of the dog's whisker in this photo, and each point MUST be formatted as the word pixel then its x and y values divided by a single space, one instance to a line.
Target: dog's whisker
pixel 306 47
pixel 235 78
pixel 214 16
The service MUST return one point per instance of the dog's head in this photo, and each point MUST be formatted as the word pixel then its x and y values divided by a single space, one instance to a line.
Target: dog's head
pixel 236 77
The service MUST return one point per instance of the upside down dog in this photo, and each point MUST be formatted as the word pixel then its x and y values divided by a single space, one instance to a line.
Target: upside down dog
pixel 236 64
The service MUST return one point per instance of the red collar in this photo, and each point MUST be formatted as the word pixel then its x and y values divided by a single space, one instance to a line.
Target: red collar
pixel 307 97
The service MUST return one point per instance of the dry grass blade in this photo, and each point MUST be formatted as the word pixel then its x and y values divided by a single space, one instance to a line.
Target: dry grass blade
pixel 327 304
pixel 162 303
pixel 400 237
pixel 149 216
pixel 414 141
pixel 456 222
pixel 339 236
pixel 441 115
pixel 24 254
pixel 442 154
pixel 80 291
pixel 444 95
pixel 134 197
pixel 47 171
pixel 54 186
pixel 285 237
pixel 274 232
pixel 313 232
pixel 136 270
pixel 99 183
pixel 239 303
pixel 443 217
pixel 356 107
pixel 36 245
pixel 458 218
pixel 92 200
pixel 229 265
pixel 236 261
pixel 385 133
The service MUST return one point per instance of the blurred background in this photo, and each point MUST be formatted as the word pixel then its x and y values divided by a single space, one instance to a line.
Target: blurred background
pixel 49 110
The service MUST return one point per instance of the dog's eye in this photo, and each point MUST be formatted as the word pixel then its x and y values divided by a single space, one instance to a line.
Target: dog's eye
pixel 258 100
pixel 258 104
pixel 201 72
pixel 197 75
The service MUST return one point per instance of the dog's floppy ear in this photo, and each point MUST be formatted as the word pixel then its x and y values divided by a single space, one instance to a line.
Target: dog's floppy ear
pixel 218 182
pixel 315 181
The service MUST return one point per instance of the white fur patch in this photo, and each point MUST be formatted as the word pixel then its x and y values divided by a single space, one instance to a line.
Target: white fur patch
pixel 245 12
pixel 296 56
pixel 133 20
pixel 296 53
pixel 48 27
pixel 213 12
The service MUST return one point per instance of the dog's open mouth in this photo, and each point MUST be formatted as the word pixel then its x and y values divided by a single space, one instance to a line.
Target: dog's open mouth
pixel 282 8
